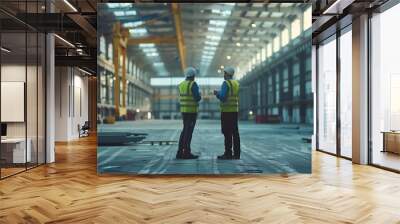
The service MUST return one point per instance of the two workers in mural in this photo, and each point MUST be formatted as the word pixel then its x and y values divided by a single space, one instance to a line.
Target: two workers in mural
pixel 229 105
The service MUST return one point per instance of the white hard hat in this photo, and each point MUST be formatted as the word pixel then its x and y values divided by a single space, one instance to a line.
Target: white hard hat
pixel 190 72
pixel 229 70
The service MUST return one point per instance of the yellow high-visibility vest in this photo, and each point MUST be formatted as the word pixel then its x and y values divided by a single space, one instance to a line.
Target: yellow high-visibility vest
pixel 187 102
pixel 231 103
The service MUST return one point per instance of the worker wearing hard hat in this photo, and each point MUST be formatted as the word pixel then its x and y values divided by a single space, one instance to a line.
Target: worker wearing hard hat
pixel 229 104
pixel 189 97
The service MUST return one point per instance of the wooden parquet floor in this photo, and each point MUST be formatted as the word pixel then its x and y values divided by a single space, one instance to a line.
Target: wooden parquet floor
pixel 70 191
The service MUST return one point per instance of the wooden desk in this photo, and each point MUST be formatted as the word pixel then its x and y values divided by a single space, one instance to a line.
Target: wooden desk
pixel 13 150
pixel 391 141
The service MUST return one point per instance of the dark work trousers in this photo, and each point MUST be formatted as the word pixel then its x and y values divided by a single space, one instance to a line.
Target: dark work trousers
pixel 230 129
pixel 189 121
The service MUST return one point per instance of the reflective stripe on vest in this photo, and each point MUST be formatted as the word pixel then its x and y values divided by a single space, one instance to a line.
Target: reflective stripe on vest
pixel 232 101
pixel 187 103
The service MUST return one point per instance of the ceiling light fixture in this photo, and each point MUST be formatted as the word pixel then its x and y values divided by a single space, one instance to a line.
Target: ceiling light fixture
pixel 238 44
pixel 253 25
pixel 64 40
pixel 222 66
pixel 5 50
pixel 70 5
pixel 228 57
pixel 337 7
pixel 84 71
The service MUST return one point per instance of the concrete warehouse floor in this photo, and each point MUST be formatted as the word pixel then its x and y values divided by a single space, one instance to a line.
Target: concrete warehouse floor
pixel 266 148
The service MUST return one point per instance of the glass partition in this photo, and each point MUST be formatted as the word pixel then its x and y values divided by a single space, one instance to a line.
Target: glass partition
pixel 346 93
pixel 14 153
pixel 327 95
pixel 385 89
pixel 22 77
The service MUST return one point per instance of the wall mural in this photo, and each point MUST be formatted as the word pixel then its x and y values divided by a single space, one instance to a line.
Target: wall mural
pixel 221 88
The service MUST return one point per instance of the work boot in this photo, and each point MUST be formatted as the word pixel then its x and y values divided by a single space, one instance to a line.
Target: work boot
pixel 225 157
pixel 236 157
pixel 188 156
pixel 179 154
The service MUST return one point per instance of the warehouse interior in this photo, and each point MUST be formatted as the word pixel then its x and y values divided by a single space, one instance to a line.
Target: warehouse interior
pixel 60 75
pixel 157 42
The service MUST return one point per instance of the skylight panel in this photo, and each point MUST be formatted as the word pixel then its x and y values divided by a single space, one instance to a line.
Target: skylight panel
pixel 209 52
pixel 158 64
pixel 130 13
pixel 212 43
pixel 216 29
pixel 214 37
pixel 133 24
pixel 221 12
pixel 138 31
pixel 152 54
pixel 218 22
pixel 118 5
pixel 119 13
pixel 210 48
pixel 146 45
pixel 125 4
pixel 149 50
pixel 207 56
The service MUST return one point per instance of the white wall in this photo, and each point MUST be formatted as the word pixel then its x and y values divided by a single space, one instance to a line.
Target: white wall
pixel 71 103
pixel 33 127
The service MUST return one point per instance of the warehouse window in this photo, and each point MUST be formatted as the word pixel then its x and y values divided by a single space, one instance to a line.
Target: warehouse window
pixel 103 89
pixel 275 111
pixel 285 37
pixel 307 22
pixel 296 114
pixel 270 91
pixel 259 94
pixel 285 80
pixel 296 80
pixel 285 115
pixel 269 50
pixel 102 45
pixel 277 89
pixel 110 52
pixel 308 86
pixel 296 28
pixel 133 70
pixel 111 90
pixel 258 58
pixel 120 93
pixel 276 44
pixel 263 53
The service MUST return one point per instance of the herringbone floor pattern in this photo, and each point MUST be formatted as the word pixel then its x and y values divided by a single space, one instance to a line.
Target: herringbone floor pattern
pixel 70 191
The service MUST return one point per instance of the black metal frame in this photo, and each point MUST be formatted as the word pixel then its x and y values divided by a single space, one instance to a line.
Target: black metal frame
pixel 37 164
pixel 338 152
pixel 381 9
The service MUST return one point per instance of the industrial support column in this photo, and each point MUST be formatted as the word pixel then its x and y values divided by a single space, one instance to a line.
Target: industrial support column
pixel 116 60
pixel 123 46
pixel 360 90
pixel 179 34
pixel 120 42
pixel 50 92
